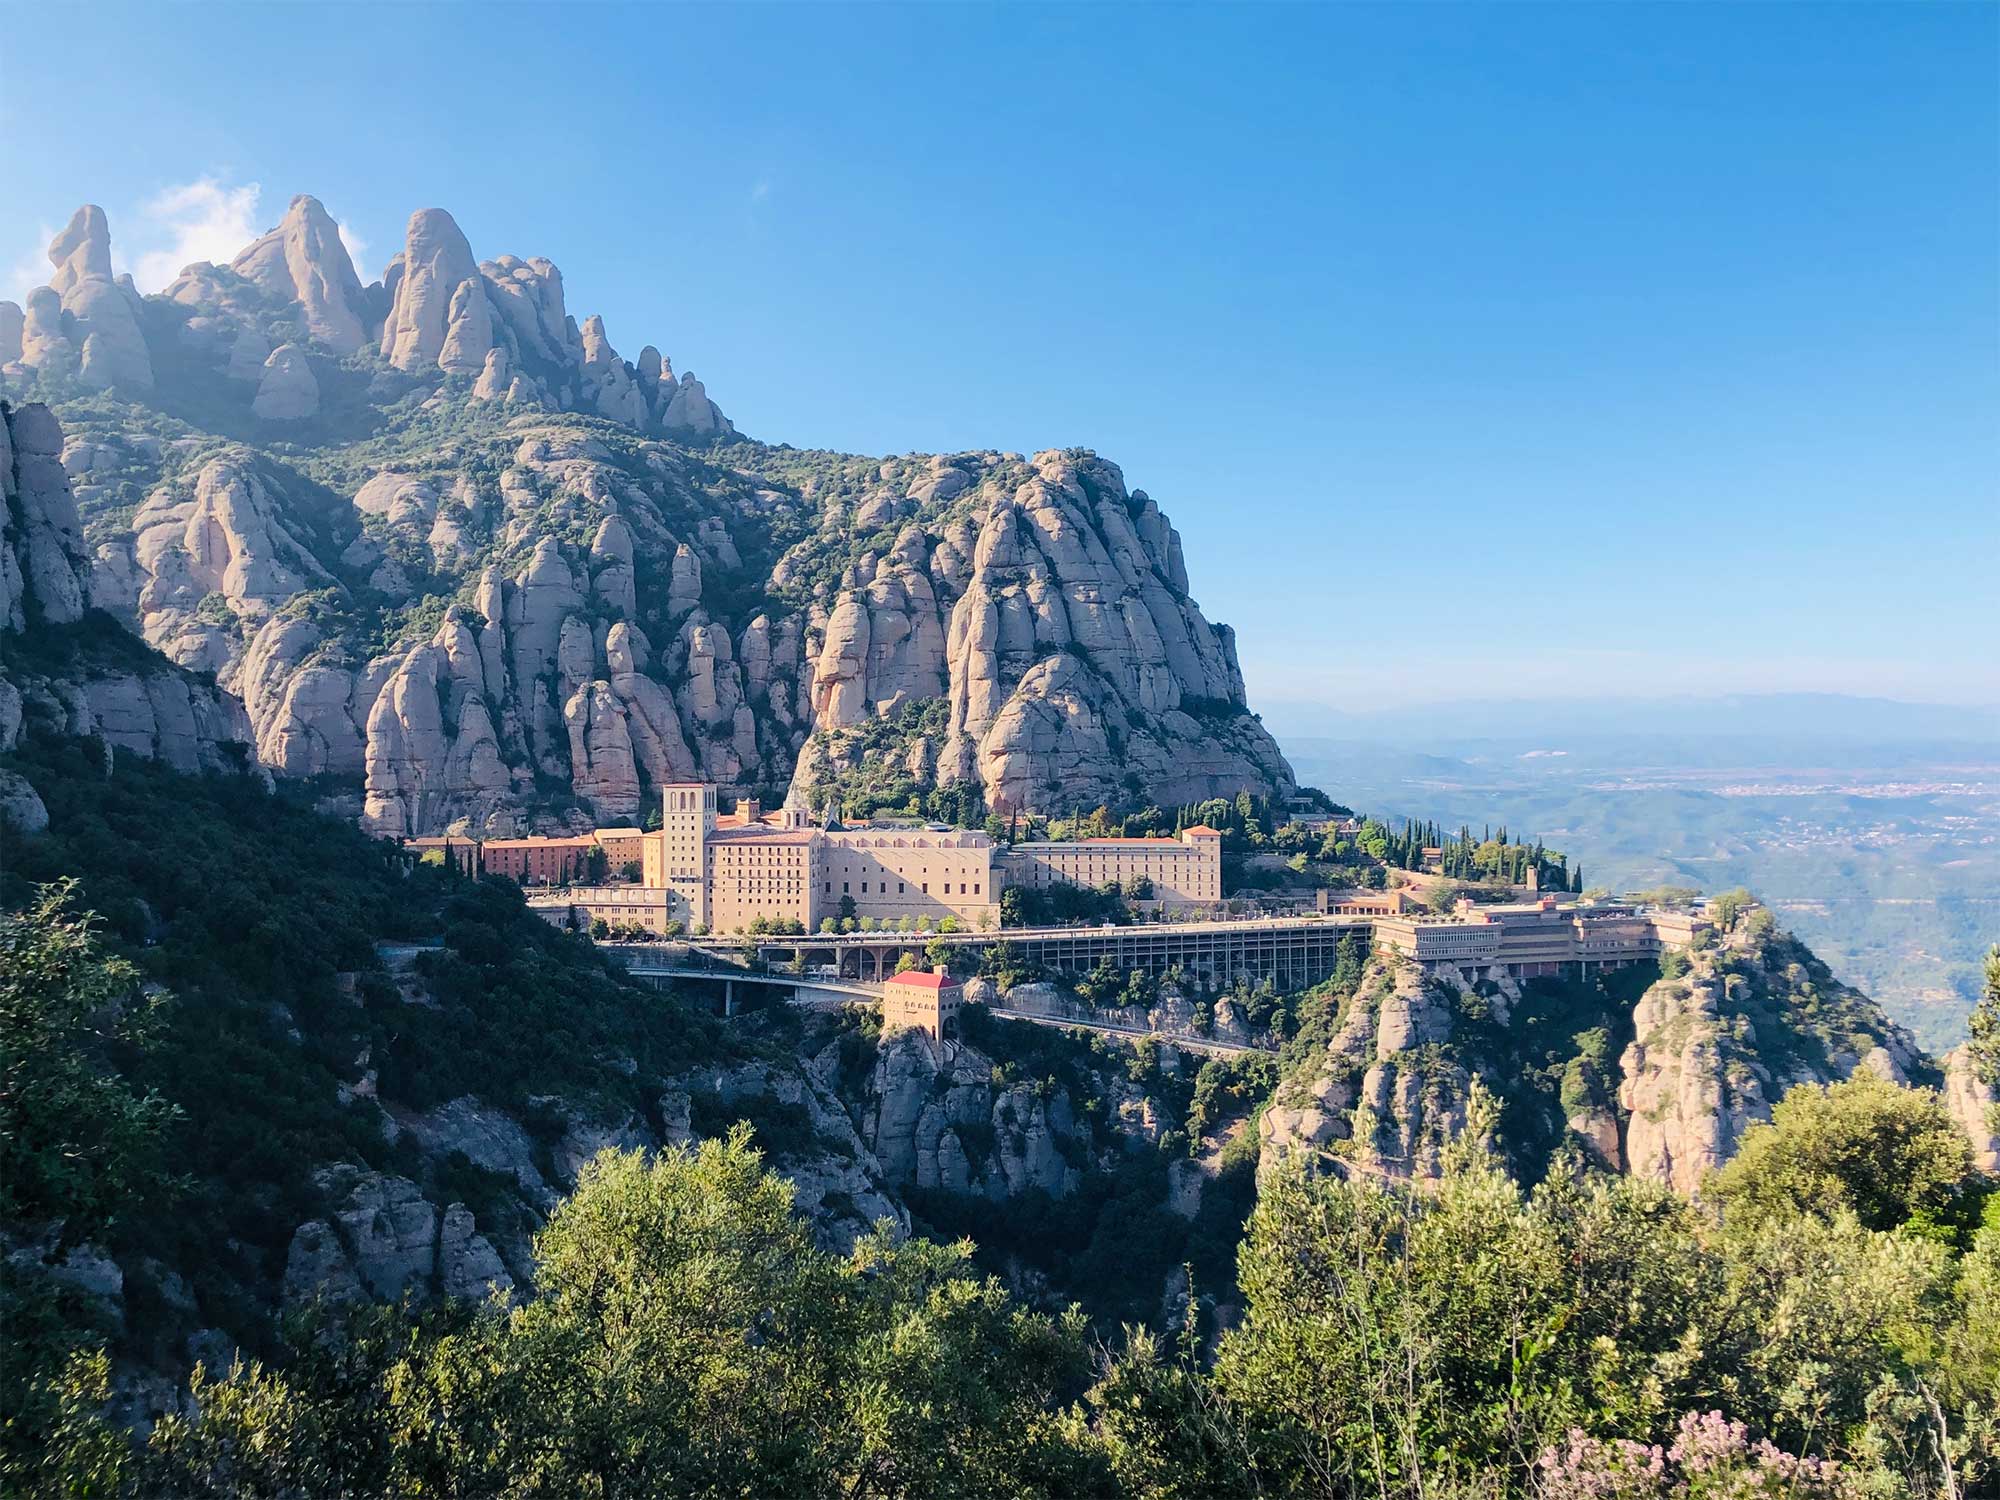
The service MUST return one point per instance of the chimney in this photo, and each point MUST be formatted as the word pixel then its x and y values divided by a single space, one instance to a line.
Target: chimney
pixel 749 808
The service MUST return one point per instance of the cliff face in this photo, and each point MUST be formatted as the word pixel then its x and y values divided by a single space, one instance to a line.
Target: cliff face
pixel 58 668
pixel 434 534
pixel 1715 1047
pixel 1660 1083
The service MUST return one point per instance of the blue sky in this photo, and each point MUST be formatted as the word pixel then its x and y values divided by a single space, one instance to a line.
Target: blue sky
pixel 1504 350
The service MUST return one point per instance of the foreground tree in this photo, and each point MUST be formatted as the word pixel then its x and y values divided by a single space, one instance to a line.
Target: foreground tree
pixel 78 1149
pixel 687 1339
pixel 1889 1155
pixel 77 1145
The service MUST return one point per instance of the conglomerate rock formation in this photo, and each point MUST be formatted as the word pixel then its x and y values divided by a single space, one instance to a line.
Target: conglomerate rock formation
pixel 433 534
pixel 56 671
pixel 1662 1086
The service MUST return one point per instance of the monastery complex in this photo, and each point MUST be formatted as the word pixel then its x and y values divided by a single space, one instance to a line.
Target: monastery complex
pixel 721 872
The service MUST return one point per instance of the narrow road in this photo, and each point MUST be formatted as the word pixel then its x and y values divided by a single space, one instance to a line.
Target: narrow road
pixel 1207 1046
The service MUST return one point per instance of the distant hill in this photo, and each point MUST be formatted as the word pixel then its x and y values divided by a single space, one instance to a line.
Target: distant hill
pixel 1873 827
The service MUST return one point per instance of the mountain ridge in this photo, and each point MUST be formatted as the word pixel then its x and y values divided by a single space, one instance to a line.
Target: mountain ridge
pixel 440 539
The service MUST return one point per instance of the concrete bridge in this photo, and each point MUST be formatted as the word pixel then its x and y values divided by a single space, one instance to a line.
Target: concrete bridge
pixel 1291 952
pixel 806 989
pixel 642 961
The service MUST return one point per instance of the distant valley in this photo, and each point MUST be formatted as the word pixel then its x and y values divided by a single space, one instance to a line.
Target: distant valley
pixel 1873 827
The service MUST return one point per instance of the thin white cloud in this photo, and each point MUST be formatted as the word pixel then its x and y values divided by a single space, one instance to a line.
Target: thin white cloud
pixel 29 269
pixel 357 248
pixel 206 219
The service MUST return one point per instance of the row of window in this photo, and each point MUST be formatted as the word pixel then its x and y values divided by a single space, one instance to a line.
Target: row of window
pixel 901 889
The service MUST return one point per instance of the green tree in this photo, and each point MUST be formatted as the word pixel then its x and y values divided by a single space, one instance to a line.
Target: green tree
pixel 1984 1023
pixel 1890 1155
pixel 77 1143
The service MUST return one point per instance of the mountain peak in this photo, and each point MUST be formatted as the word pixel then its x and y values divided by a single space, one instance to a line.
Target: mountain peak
pixel 82 252
pixel 304 260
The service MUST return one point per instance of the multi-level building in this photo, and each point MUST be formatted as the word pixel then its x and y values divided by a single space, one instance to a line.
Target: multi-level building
pixel 722 872
pixel 1535 938
pixel 1178 872
pixel 543 861
pixel 726 871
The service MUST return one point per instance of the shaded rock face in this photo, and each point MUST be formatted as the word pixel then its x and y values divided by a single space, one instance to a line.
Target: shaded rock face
pixel 21 808
pixel 44 572
pixel 836 1177
pixel 941 1122
pixel 1973 1101
pixel 386 1241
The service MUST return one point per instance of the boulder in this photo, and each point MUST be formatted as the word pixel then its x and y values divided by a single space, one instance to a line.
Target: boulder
pixel 288 392
pixel 21 808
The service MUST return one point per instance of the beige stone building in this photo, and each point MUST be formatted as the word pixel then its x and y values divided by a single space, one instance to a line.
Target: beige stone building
pixel 721 872
pixel 1182 872
pixel 892 873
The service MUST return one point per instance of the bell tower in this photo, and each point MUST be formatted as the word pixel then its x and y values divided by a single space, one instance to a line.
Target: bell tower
pixel 687 818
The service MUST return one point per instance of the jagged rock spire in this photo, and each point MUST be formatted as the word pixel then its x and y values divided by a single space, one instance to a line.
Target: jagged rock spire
pixel 303 260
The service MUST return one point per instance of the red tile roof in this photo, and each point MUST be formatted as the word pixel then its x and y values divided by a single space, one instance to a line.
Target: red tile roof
pixel 1203 828
pixel 923 979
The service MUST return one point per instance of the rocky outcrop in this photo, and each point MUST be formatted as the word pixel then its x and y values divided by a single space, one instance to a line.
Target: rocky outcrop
pixel 45 580
pixel 438 312
pixel 1974 1103
pixel 13 322
pixel 210 557
pixel 287 391
pixel 431 751
pixel 1049 608
pixel 98 336
pixel 690 411
pixel 837 1180
pixel 1717 1044
pixel 1037 606
pixel 386 1241
pixel 303 262
pixel 942 1122
pixel 22 811
pixel 44 572
pixel 1384 1096
pixel 1693 1083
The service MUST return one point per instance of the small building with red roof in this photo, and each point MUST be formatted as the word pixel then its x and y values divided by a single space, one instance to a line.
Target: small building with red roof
pixel 926 1000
